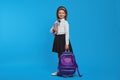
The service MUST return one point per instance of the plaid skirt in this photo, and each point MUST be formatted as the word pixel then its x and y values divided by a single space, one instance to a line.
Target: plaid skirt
pixel 59 44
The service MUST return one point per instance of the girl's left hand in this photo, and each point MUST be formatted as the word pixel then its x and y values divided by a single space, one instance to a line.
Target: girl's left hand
pixel 55 29
pixel 66 47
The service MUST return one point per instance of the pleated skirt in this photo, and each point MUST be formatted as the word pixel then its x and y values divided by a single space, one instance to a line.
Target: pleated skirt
pixel 59 44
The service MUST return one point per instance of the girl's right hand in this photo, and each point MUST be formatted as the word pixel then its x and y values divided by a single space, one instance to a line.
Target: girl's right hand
pixel 66 47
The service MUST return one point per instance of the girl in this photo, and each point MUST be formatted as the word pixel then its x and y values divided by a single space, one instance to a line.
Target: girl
pixel 61 32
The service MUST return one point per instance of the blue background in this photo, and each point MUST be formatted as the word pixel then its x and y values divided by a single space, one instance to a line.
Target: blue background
pixel 26 42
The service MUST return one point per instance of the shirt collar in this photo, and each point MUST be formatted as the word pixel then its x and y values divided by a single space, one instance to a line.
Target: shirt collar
pixel 62 19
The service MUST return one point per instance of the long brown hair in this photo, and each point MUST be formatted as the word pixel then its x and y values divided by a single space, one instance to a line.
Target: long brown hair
pixel 61 8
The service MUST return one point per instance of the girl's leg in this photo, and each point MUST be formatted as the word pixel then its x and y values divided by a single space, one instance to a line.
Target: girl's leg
pixel 56 73
pixel 59 55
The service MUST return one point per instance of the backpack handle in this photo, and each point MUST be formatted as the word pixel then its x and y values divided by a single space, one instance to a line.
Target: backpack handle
pixel 67 50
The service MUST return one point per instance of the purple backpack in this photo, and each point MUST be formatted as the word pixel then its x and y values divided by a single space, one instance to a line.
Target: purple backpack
pixel 67 65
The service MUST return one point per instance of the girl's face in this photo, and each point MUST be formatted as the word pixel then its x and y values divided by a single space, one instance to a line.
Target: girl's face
pixel 61 14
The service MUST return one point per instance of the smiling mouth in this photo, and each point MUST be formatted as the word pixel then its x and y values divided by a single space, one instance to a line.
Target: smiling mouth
pixel 61 16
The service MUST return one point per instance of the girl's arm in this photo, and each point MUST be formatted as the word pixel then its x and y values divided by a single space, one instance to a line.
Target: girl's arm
pixel 52 28
pixel 67 33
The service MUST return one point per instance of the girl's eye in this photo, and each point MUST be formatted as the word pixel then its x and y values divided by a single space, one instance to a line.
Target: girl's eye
pixel 61 13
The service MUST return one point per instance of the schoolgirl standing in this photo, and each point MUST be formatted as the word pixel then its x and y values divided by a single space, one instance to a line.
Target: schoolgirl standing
pixel 60 30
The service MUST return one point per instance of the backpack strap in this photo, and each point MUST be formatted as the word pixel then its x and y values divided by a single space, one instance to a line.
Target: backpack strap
pixel 78 71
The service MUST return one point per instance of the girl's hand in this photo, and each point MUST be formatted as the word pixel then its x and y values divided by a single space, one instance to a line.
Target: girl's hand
pixel 55 29
pixel 66 47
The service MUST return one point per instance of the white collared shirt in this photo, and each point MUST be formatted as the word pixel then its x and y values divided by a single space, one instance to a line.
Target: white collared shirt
pixel 63 28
